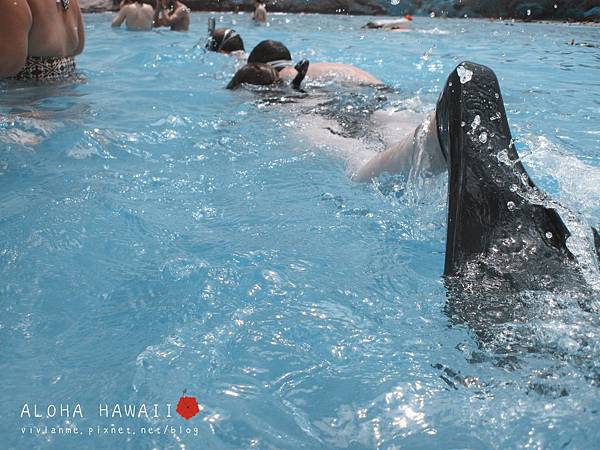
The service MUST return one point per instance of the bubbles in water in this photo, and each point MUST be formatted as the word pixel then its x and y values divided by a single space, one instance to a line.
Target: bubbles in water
pixel 395 2
pixel 549 235
pixel 483 137
pixel 476 122
pixel 503 157
pixel 464 74
pixel 528 12
pixel 510 205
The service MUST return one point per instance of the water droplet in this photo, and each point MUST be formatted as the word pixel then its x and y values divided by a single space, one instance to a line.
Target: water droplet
pixel 549 235
pixel 462 124
pixel 483 137
pixel 513 188
pixel 476 122
pixel 528 12
pixel 464 74
pixel 395 2
pixel 510 206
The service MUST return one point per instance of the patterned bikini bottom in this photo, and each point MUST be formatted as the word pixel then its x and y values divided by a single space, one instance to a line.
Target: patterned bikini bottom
pixel 47 68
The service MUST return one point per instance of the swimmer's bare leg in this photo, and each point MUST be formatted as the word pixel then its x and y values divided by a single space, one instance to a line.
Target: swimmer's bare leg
pixel 420 151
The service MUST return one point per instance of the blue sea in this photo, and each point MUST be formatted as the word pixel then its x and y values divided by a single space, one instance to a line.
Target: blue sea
pixel 160 234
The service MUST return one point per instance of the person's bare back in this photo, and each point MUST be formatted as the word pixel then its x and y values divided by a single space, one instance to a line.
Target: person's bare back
pixel 39 31
pixel 138 16
pixel 260 12
pixel 326 71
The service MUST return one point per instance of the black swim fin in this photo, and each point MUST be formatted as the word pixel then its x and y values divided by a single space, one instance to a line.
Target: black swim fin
pixel 302 69
pixel 493 206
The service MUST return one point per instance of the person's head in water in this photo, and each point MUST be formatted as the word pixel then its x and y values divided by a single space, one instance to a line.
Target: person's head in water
pixel 264 75
pixel 254 73
pixel 225 40
pixel 273 53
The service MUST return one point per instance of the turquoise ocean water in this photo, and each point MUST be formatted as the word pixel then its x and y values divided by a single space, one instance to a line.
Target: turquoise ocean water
pixel 160 233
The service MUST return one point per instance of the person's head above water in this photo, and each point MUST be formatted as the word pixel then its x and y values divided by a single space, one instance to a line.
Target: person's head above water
pixel 273 53
pixel 225 40
pixel 254 73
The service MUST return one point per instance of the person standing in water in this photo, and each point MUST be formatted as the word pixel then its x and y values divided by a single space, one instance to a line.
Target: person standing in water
pixel 39 39
pixel 260 12
pixel 137 15
pixel 172 13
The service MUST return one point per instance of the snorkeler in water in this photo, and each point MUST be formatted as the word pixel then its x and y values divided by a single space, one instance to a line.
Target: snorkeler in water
pixel 224 40
pixel 261 74
pixel 399 24
pixel 279 57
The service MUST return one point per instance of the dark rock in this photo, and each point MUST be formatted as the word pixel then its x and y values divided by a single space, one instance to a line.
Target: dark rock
pixel 593 14
pixel 369 7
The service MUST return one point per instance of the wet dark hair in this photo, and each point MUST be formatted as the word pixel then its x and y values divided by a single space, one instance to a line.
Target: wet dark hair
pixel 233 41
pixel 268 51
pixel 254 73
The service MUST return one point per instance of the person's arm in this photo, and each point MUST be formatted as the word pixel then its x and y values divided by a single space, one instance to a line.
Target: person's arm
pixel 421 148
pixel 174 18
pixel 117 21
pixel 15 23
pixel 157 21
pixel 80 32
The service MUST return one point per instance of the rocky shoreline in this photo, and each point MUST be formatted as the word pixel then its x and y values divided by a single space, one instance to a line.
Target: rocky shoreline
pixel 527 10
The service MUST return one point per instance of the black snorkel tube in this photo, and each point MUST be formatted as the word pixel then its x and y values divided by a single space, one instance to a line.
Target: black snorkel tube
pixel 302 69
pixel 211 43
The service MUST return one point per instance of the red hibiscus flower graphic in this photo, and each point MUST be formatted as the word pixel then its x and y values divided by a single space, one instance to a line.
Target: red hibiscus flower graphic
pixel 188 407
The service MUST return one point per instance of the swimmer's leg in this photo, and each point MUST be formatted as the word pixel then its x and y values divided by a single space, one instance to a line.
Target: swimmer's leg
pixel 492 203
pixel 419 151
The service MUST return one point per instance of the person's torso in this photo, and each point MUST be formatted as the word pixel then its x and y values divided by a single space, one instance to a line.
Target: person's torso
pixel 55 30
pixel 139 17
pixel 260 14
